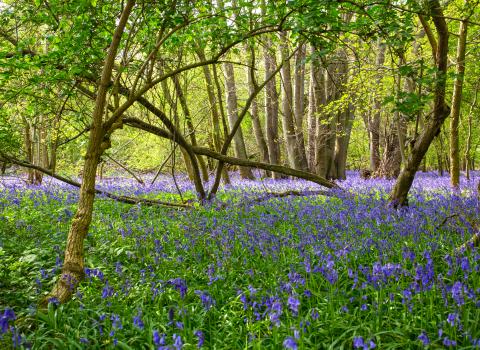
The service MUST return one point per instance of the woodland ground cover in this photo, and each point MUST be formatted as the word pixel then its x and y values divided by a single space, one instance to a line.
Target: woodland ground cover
pixel 343 271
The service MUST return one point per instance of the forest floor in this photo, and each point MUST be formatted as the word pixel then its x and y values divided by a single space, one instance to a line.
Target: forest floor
pixel 307 272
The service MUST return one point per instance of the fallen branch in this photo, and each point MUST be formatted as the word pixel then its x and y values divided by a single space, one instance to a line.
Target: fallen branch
pixel 119 198
pixel 140 124
pixel 270 195
pixel 445 220
pixel 472 242
pixel 265 166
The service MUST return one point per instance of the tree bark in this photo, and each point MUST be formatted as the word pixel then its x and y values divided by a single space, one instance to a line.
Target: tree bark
pixel 316 101
pixel 468 146
pixel 190 127
pixel 73 264
pixel 321 138
pixel 28 149
pixel 374 123
pixel 456 103
pixel 232 112
pixel 344 120
pixel 173 107
pixel 288 122
pixel 212 100
pixel 299 103
pixel 399 195
pixel 271 108
pixel 257 126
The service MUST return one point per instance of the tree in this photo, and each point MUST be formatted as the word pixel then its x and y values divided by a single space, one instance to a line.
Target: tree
pixel 456 102
pixel 399 195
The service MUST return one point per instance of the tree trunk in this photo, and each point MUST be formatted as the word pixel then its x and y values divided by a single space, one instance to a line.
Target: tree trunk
pixel 73 264
pixel 232 111
pixel 216 133
pixel 257 127
pixel 374 122
pixel 299 103
pixel 344 120
pixel 288 123
pixel 271 108
pixel 226 177
pixel 173 108
pixel 456 103
pixel 468 146
pixel 391 160
pixel 342 142
pixel 323 151
pixel 399 195
pixel 313 107
pixel 28 149
pixel 190 127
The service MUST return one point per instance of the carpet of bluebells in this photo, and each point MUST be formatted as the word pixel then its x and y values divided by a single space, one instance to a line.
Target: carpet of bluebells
pixel 299 272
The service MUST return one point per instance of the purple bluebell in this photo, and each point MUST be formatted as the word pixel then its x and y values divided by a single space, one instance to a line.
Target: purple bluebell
pixel 293 304
pixel 8 315
pixel 424 338
pixel 177 342
pixel 207 301
pixel 290 343
pixel 201 338
pixel 137 320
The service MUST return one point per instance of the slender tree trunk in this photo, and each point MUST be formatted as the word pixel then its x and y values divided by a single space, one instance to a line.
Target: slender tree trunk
pixel 173 107
pixel 257 127
pixel 28 149
pixel 456 103
pixel 73 264
pixel 341 149
pixel 344 121
pixel 299 103
pixel 232 111
pixel 271 108
pixel 468 146
pixel 212 100
pixel 323 151
pixel 37 150
pixel 190 127
pixel 226 177
pixel 314 88
pixel 288 123
pixel 374 123
pixel 399 195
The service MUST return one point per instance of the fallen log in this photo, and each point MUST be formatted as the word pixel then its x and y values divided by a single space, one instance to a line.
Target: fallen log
pixel 140 124
pixel 119 198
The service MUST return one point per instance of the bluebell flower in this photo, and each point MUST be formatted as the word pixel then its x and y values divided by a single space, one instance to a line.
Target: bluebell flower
pixel 424 339
pixel 358 343
pixel 180 285
pixel 453 319
pixel 449 342
pixel 293 304
pixel 457 293
pixel 158 339
pixel 137 320
pixel 177 342
pixel 206 299
pixel 201 338
pixel 290 343
pixel 8 315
